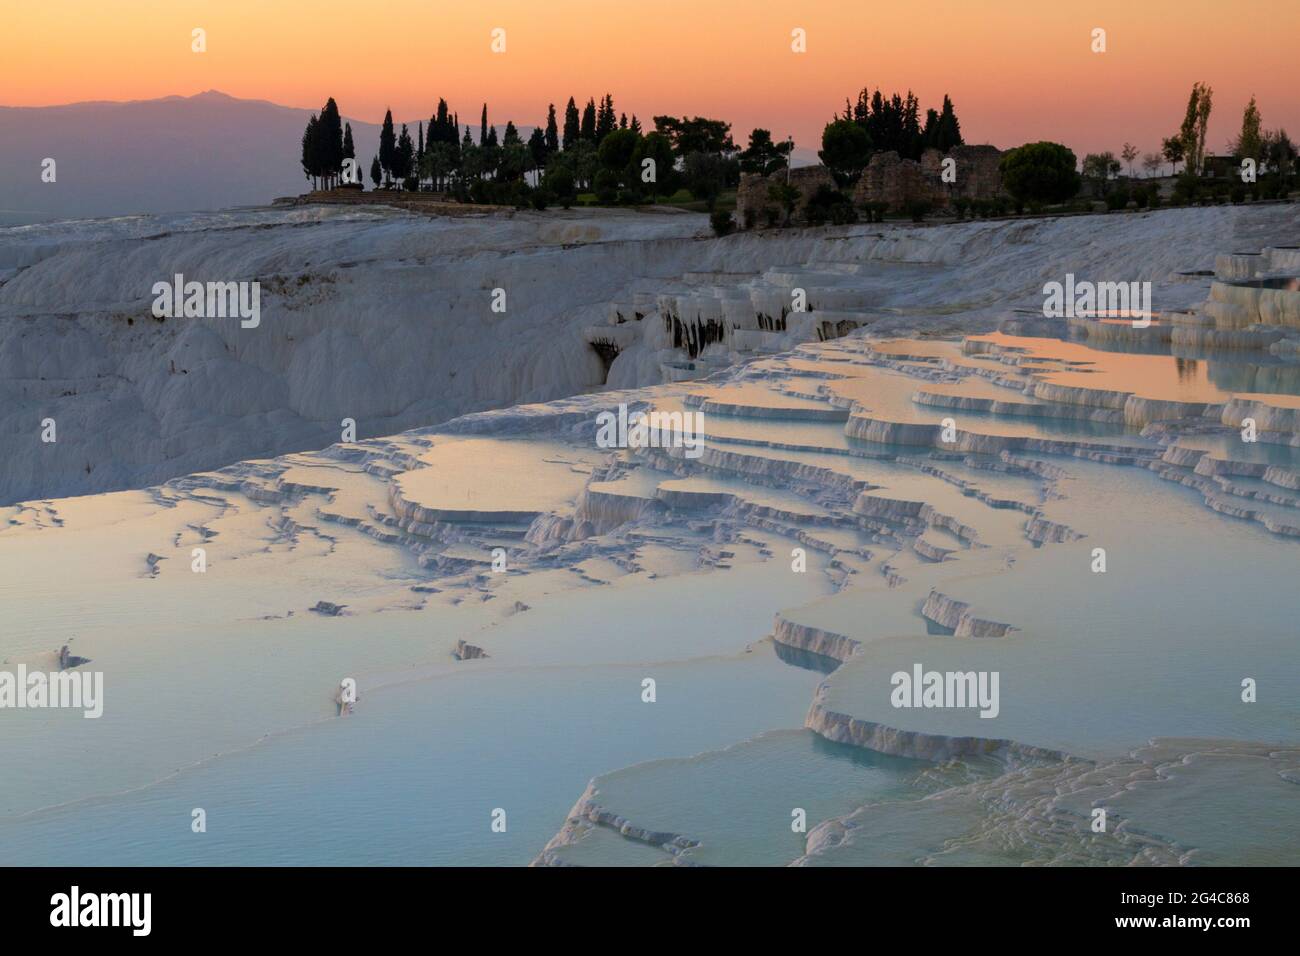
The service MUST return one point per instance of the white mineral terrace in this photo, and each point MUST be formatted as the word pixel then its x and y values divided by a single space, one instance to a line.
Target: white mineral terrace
pixel 920 471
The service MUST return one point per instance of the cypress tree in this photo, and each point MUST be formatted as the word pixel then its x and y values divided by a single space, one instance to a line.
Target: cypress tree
pixel 375 174
pixel 483 128
pixel 405 155
pixel 387 146
pixel 571 127
pixel 349 150
pixel 589 121
pixel 930 132
pixel 605 119
pixel 552 137
pixel 310 148
pixel 949 129
pixel 537 148
pixel 330 131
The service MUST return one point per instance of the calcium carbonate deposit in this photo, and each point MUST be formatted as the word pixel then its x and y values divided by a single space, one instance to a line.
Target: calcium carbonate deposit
pixel 946 581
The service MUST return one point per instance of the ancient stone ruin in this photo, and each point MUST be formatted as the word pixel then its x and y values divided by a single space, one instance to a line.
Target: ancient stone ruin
pixel 888 179
pixel 754 207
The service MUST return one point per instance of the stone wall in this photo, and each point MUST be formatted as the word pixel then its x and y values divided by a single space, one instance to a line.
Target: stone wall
pixel 752 194
pixel 894 181
pixel 888 179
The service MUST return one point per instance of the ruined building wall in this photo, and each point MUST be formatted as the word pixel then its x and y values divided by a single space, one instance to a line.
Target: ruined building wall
pixel 752 193
pixel 896 182
pixel 888 179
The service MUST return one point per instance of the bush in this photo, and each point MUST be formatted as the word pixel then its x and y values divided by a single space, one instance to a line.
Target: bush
pixel 1238 194
pixel 1117 199
pixel 1141 197
pixel 1041 171
pixel 411 184
pixel 559 183
pixel 918 209
pixel 541 199
pixel 876 211
pixel 830 205
pixel 605 186
pixel 1186 190
pixel 722 223
pixel 750 217
pixel 960 205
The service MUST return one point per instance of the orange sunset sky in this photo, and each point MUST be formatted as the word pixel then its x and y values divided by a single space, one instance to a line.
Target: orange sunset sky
pixel 1017 69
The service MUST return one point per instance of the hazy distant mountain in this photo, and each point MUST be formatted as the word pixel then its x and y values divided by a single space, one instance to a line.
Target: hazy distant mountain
pixel 173 154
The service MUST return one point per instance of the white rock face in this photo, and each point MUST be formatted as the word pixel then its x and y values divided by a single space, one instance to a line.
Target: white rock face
pixel 387 318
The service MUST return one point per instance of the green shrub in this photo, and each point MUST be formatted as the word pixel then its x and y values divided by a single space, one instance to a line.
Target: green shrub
pixel 918 209
pixel 722 223
pixel 605 186
pixel 830 205
pixel 559 183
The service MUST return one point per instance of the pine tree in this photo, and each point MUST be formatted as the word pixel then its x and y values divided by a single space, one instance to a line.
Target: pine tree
pixel 571 124
pixel 387 146
pixel 552 137
pixel 636 124
pixel 589 121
